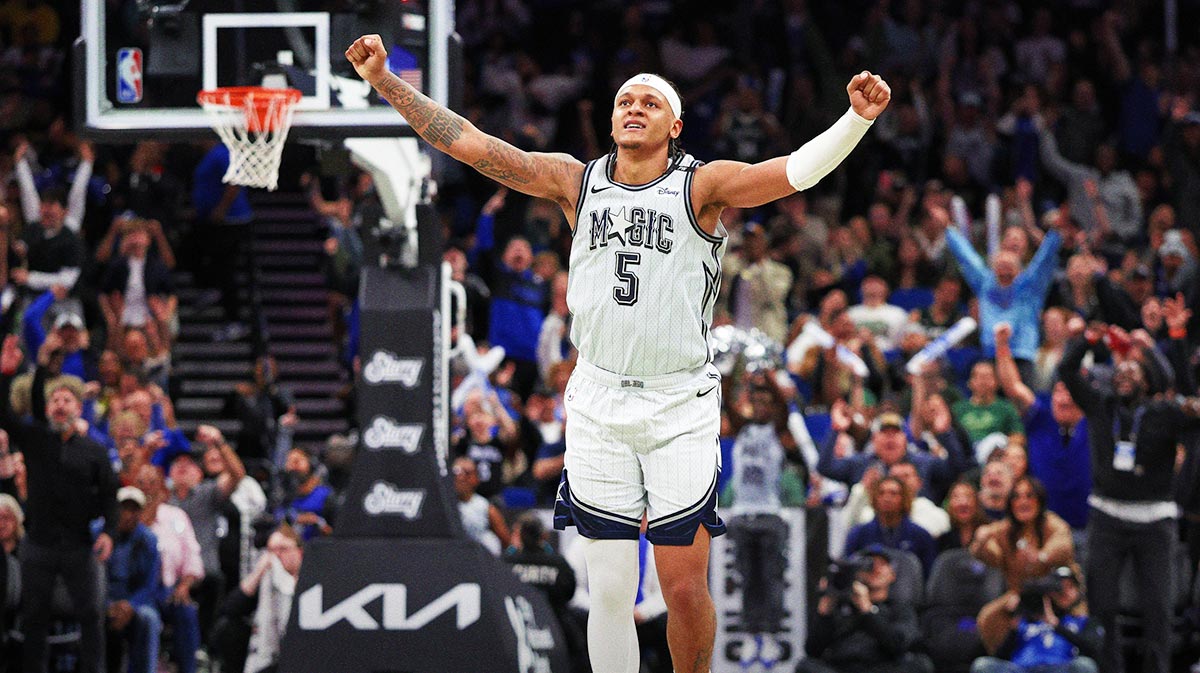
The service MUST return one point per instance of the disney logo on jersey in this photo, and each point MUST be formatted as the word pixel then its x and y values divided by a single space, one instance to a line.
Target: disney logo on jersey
pixel 637 228
pixel 387 367
pixel 664 191
pixel 386 498
pixel 386 433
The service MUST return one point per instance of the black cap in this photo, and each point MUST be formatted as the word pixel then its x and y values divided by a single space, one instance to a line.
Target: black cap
pixel 874 550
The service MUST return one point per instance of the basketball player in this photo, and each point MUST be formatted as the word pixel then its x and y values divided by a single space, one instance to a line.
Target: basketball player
pixel 643 403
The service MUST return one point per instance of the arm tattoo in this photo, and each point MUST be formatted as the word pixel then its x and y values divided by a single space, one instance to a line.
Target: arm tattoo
pixel 500 161
pixel 439 126
pixel 506 163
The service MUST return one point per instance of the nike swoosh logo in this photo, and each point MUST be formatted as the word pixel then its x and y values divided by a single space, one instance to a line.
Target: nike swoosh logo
pixel 594 190
pixel 706 392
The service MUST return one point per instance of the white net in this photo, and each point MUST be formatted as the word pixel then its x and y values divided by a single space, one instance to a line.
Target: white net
pixel 253 124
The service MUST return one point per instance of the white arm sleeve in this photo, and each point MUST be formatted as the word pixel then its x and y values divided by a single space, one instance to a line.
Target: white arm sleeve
pixel 77 198
pixel 31 204
pixel 808 449
pixel 42 280
pixel 819 156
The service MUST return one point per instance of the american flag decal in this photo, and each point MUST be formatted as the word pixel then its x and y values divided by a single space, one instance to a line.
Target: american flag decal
pixel 413 77
pixel 407 66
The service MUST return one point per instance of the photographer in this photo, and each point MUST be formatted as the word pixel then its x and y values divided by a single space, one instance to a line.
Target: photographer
pixel 1044 628
pixel 858 628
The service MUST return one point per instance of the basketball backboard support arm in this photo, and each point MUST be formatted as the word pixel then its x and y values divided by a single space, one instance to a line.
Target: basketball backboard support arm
pixel 401 175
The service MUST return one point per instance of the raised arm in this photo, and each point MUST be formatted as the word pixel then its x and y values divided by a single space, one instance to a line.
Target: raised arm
pixel 315 200
pixel 31 203
pixel 552 176
pixel 974 271
pixel 165 253
pixel 77 197
pixel 1085 393
pixel 10 361
pixel 741 185
pixel 1040 271
pixel 1110 42
pixel 1028 217
pixel 1060 167
pixel 1006 370
pixel 235 470
pixel 1178 315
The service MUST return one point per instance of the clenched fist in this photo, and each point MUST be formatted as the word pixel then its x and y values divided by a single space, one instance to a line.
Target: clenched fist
pixel 869 94
pixel 368 57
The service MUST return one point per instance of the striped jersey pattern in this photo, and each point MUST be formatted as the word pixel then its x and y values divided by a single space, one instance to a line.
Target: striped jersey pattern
pixel 643 275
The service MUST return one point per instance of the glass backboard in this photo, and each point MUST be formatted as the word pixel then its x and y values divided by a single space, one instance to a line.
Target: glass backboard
pixel 142 62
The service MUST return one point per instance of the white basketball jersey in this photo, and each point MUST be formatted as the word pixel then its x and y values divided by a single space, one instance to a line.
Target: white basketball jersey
pixel 643 276
pixel 757 466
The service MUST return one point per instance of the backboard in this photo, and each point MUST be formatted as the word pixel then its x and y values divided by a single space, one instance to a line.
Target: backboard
pixel 140 63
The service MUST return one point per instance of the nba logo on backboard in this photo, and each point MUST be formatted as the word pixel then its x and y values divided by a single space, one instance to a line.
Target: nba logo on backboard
pixel 129 75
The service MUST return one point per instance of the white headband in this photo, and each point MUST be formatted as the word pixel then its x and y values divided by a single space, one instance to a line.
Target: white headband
pixel 658 84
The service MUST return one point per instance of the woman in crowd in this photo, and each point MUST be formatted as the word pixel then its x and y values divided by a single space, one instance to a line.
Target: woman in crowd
pixel 966 517
pixel 1029 541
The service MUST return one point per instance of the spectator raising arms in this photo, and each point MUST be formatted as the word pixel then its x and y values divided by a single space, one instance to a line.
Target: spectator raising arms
pixel 1133 454
pixel 1008 294
pixel 1057 433
pixel 202 500
pixel 63 466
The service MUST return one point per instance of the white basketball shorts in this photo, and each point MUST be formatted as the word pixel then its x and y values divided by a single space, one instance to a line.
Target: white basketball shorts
pixel 641 444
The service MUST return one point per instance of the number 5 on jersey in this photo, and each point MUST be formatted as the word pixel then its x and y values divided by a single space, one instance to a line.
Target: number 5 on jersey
pixel 626 292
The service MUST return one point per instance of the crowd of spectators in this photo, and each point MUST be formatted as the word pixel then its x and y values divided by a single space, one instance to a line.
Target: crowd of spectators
pixel 1038 171
pixel 118 527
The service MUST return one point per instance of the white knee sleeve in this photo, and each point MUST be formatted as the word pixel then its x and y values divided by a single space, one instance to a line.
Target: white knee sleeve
pixel 612 575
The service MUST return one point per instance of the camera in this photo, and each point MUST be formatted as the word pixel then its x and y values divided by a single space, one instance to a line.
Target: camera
pixel 1033 593
pixel 842 574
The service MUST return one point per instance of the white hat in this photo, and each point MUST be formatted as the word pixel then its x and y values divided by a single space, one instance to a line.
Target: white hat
pixel 131 494
pixel 68 319
pixel 1173 245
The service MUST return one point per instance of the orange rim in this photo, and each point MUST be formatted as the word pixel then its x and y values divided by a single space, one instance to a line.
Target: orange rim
pixel 256 101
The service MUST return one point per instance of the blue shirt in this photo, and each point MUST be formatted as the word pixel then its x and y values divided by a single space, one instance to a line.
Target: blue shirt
pixel 552 449
pixel 518 309
pixel 1040 645
pixel 208 189
pixel 35 334
pixel 908 537
pixel 1019 304
pixel 134 569
pixel 933 470
pixel 1064 467
pixel 1138 120
pixel 314 502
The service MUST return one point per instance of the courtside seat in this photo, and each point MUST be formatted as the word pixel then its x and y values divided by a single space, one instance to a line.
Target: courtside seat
pixel 959 586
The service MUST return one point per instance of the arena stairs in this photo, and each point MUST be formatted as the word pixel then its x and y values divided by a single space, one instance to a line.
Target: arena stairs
pixel 284 300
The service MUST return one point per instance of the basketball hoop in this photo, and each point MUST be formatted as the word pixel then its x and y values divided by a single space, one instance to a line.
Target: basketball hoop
pixel 253 122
